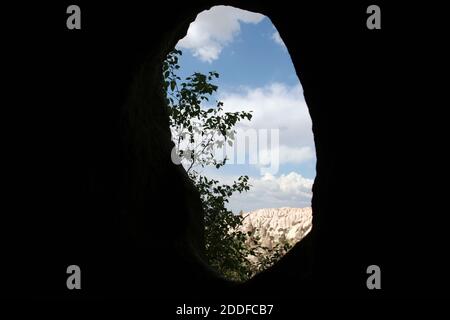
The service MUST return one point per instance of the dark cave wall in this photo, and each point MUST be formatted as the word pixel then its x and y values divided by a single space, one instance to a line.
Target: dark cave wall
pixel 100 190
pixel 321 58
pixel 145 123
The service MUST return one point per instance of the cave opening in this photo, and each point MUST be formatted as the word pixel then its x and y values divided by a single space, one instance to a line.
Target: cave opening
pixel 243 133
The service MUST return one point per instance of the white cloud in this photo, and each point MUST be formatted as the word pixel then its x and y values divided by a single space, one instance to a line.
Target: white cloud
pixel 269 191
pixel 277 106
pixel 291 154
pixel 277 38
pixel 214 29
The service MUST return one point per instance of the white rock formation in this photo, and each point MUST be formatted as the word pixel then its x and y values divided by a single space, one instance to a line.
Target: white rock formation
pixel 275 225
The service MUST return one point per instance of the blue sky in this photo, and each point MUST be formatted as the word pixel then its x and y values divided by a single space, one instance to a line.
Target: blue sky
pixel 252 59
pixel 257 74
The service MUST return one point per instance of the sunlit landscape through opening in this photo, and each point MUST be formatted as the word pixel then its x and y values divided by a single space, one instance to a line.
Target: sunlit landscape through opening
pixel 242 131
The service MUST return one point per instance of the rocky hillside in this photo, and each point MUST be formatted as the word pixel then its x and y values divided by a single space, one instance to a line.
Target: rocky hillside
pixel 278 225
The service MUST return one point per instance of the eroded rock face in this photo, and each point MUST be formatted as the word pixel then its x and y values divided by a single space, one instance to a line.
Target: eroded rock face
pixel 276 225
